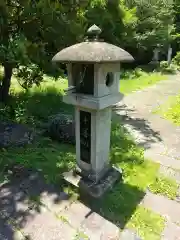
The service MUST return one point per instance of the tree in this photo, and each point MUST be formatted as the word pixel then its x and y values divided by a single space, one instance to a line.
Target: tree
pixel 31 31
pixel 177 25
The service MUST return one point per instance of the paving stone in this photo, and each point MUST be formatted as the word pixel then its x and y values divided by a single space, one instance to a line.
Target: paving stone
pixel 76 214
pixel 46 226
pixel 92 224
pixel 171 232
pixel 162 159
pixel 17 200
pixel 96 227
pixel 127 234
pixel 168 208
pixel 55 202
pixel 13 203
pixel 169 172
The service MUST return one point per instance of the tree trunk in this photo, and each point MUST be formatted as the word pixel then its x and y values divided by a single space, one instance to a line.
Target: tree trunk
pixel 6 82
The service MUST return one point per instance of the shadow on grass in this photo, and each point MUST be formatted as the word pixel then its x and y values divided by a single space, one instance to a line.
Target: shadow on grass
pixel 142 129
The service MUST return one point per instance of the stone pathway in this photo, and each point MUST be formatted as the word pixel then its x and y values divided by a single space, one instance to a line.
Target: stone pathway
pixel 30 209
pixel 161 140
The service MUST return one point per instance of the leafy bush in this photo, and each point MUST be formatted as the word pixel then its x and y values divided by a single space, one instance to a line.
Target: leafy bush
pixel 166 68
pixel 176 59
pixel 130 74
pixel 5 112
pixel 29 75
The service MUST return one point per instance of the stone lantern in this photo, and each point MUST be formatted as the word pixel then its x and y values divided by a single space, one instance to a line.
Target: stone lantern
pixel 93 87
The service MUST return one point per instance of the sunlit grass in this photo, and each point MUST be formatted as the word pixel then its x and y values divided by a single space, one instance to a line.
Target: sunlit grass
pixel 134 84
pixel 170 110
pixel 165 186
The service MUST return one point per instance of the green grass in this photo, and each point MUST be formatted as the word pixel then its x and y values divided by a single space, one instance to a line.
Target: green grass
pixel 148 224
pixel 165 186
pixel 171 110
pixel 134 84
pixel 51 158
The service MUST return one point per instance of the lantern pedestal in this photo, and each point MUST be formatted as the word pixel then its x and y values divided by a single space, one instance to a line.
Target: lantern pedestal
pixel 94 189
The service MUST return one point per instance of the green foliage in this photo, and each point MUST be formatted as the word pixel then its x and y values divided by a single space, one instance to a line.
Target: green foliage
pixel 33 33
pixel 176 59
pixel 168 68
pixel 131 74
pixel 29 75
pixel 5 112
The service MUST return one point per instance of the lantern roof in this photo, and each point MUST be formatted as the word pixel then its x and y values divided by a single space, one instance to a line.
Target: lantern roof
pixel 92 50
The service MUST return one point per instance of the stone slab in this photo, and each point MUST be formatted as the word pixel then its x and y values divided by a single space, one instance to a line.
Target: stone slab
pixel 46 226
pixel 168 208
pixel 13 203
pixel 171 232
pixel 169 172
pixel 162 159
pixel 55 202
pixel 96 227
pixel 76 214
pixel 92 224
pixel 19 198
pixel 127 234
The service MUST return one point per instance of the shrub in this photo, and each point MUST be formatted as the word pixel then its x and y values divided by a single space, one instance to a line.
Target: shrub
pixel 166 68
pixel 176 60
pixel 29 75
pixel 130 74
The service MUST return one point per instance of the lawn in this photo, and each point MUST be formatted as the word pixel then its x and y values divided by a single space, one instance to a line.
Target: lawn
pixel 128 85
pixel 171 110
pixel 121 205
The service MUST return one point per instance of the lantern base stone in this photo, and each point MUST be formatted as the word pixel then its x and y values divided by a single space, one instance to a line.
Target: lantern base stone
pixel 89 187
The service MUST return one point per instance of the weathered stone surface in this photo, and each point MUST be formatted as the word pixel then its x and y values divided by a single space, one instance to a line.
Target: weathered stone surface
pixel 13 134
pixel 91 52
pixel 127 234
pixel 55 202
pixel 76 214
pixel 92 224
pixel 26 192
pixel 13 203
pixel 171 232
pixel 46 226
pixel 169 172
pixel 61 127
pixel 96 227
pixel 168 208
pixel 162 159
